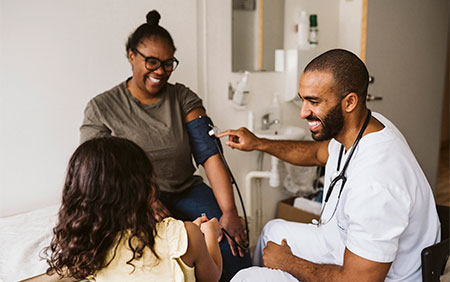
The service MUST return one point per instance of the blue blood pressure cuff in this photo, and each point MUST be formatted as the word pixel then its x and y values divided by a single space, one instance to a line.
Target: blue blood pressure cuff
pixel 204 143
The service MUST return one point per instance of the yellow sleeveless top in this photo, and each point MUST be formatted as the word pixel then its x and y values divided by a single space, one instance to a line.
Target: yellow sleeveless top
pixel 170 244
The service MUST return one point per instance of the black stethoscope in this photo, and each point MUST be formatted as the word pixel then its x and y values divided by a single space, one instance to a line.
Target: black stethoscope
pixel 213 133
pixel 341 176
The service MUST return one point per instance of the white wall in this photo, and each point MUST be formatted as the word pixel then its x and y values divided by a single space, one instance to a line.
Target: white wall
pixel 350 23
pixel 54 56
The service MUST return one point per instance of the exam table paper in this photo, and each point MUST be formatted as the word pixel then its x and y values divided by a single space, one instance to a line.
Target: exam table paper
pixel 22 237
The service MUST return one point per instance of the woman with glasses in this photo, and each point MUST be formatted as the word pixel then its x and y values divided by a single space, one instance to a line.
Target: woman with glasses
pixel 154 113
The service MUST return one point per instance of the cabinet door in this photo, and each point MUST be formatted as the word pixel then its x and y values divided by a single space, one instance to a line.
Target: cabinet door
pixel 406 54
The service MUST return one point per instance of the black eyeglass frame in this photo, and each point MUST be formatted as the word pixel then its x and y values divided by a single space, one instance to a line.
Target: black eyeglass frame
pixel 164 64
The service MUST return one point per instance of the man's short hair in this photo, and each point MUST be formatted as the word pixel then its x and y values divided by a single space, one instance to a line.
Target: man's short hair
pixel 350 73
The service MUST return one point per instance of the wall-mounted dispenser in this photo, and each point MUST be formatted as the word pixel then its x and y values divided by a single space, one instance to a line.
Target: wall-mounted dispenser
pixel 291 75
pixel 303 31
pixel 239 94
pixel 279 60
pixel 296 61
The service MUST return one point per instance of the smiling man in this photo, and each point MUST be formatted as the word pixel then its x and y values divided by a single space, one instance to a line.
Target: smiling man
pixel 378 212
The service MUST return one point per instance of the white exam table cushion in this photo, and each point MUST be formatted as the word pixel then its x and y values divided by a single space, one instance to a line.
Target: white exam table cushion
pixel 22 238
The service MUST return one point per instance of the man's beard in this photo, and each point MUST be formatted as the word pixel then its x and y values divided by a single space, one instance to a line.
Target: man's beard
pixel 331 125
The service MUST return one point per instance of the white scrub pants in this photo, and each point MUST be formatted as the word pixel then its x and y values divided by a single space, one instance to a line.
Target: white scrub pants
pixel 306 241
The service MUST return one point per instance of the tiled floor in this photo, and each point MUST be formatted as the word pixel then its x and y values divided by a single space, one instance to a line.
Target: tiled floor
pixel 443 189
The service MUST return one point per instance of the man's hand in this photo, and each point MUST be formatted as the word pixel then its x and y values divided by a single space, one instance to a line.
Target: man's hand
pixel 355 268
pixel 160 210
pixel 242 139
pixel 277 256
pixel 232 224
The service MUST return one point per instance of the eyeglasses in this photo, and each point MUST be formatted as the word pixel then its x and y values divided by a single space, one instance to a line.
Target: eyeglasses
pixel 153 63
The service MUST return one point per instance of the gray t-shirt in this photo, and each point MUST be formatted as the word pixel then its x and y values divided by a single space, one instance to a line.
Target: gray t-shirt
pixel 158 128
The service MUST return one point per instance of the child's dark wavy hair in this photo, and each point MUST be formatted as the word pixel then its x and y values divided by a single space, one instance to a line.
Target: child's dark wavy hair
pixel 108 192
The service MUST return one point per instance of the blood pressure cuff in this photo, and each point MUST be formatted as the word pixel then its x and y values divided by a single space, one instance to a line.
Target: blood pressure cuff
pixel 203 145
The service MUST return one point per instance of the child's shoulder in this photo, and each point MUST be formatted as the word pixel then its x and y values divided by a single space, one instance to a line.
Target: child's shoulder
pixel 172 234
pixel 169 222
pixel 170 227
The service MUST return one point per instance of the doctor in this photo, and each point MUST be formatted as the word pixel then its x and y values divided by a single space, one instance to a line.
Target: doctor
pixel 378 211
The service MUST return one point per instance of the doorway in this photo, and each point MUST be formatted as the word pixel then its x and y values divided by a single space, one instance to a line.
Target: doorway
pixel 443 187
pixel 407 61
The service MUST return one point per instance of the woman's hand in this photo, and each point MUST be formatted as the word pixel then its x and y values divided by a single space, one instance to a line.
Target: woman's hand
pixel 160 210
pixel 232 224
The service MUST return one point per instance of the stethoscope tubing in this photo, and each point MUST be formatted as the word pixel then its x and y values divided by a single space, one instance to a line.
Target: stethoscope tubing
pixel 341 175
pixel 213 133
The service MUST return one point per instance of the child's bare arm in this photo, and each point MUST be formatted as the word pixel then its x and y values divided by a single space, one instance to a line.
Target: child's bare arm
pixel 203 250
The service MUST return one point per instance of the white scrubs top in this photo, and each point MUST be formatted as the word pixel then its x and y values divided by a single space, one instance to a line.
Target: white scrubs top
pixel 387 211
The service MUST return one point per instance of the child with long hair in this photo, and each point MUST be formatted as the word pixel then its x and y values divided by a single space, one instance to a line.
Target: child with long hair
pixel 107 230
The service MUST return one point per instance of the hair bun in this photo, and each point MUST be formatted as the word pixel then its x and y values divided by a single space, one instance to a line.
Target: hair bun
pixel 153 17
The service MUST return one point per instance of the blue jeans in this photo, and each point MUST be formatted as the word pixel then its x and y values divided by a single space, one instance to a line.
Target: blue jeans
pixel 190 204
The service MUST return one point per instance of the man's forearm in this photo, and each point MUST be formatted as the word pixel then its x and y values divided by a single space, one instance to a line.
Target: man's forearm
pixel 355 268
pixel 304 153
pixel 307 271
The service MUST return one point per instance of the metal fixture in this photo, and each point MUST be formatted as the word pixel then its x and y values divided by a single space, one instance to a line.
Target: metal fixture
pixel 371 97
pixel 266 123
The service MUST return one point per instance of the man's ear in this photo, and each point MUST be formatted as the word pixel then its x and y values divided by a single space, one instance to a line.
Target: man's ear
pixel 350 102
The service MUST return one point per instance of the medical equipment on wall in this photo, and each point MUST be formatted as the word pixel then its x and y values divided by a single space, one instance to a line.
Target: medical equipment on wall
pixel 205 143
pixel 238 93
pixel 340 177
pixel 240 96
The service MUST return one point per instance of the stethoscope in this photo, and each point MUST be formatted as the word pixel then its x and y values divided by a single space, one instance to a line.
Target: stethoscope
pixel 341 176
